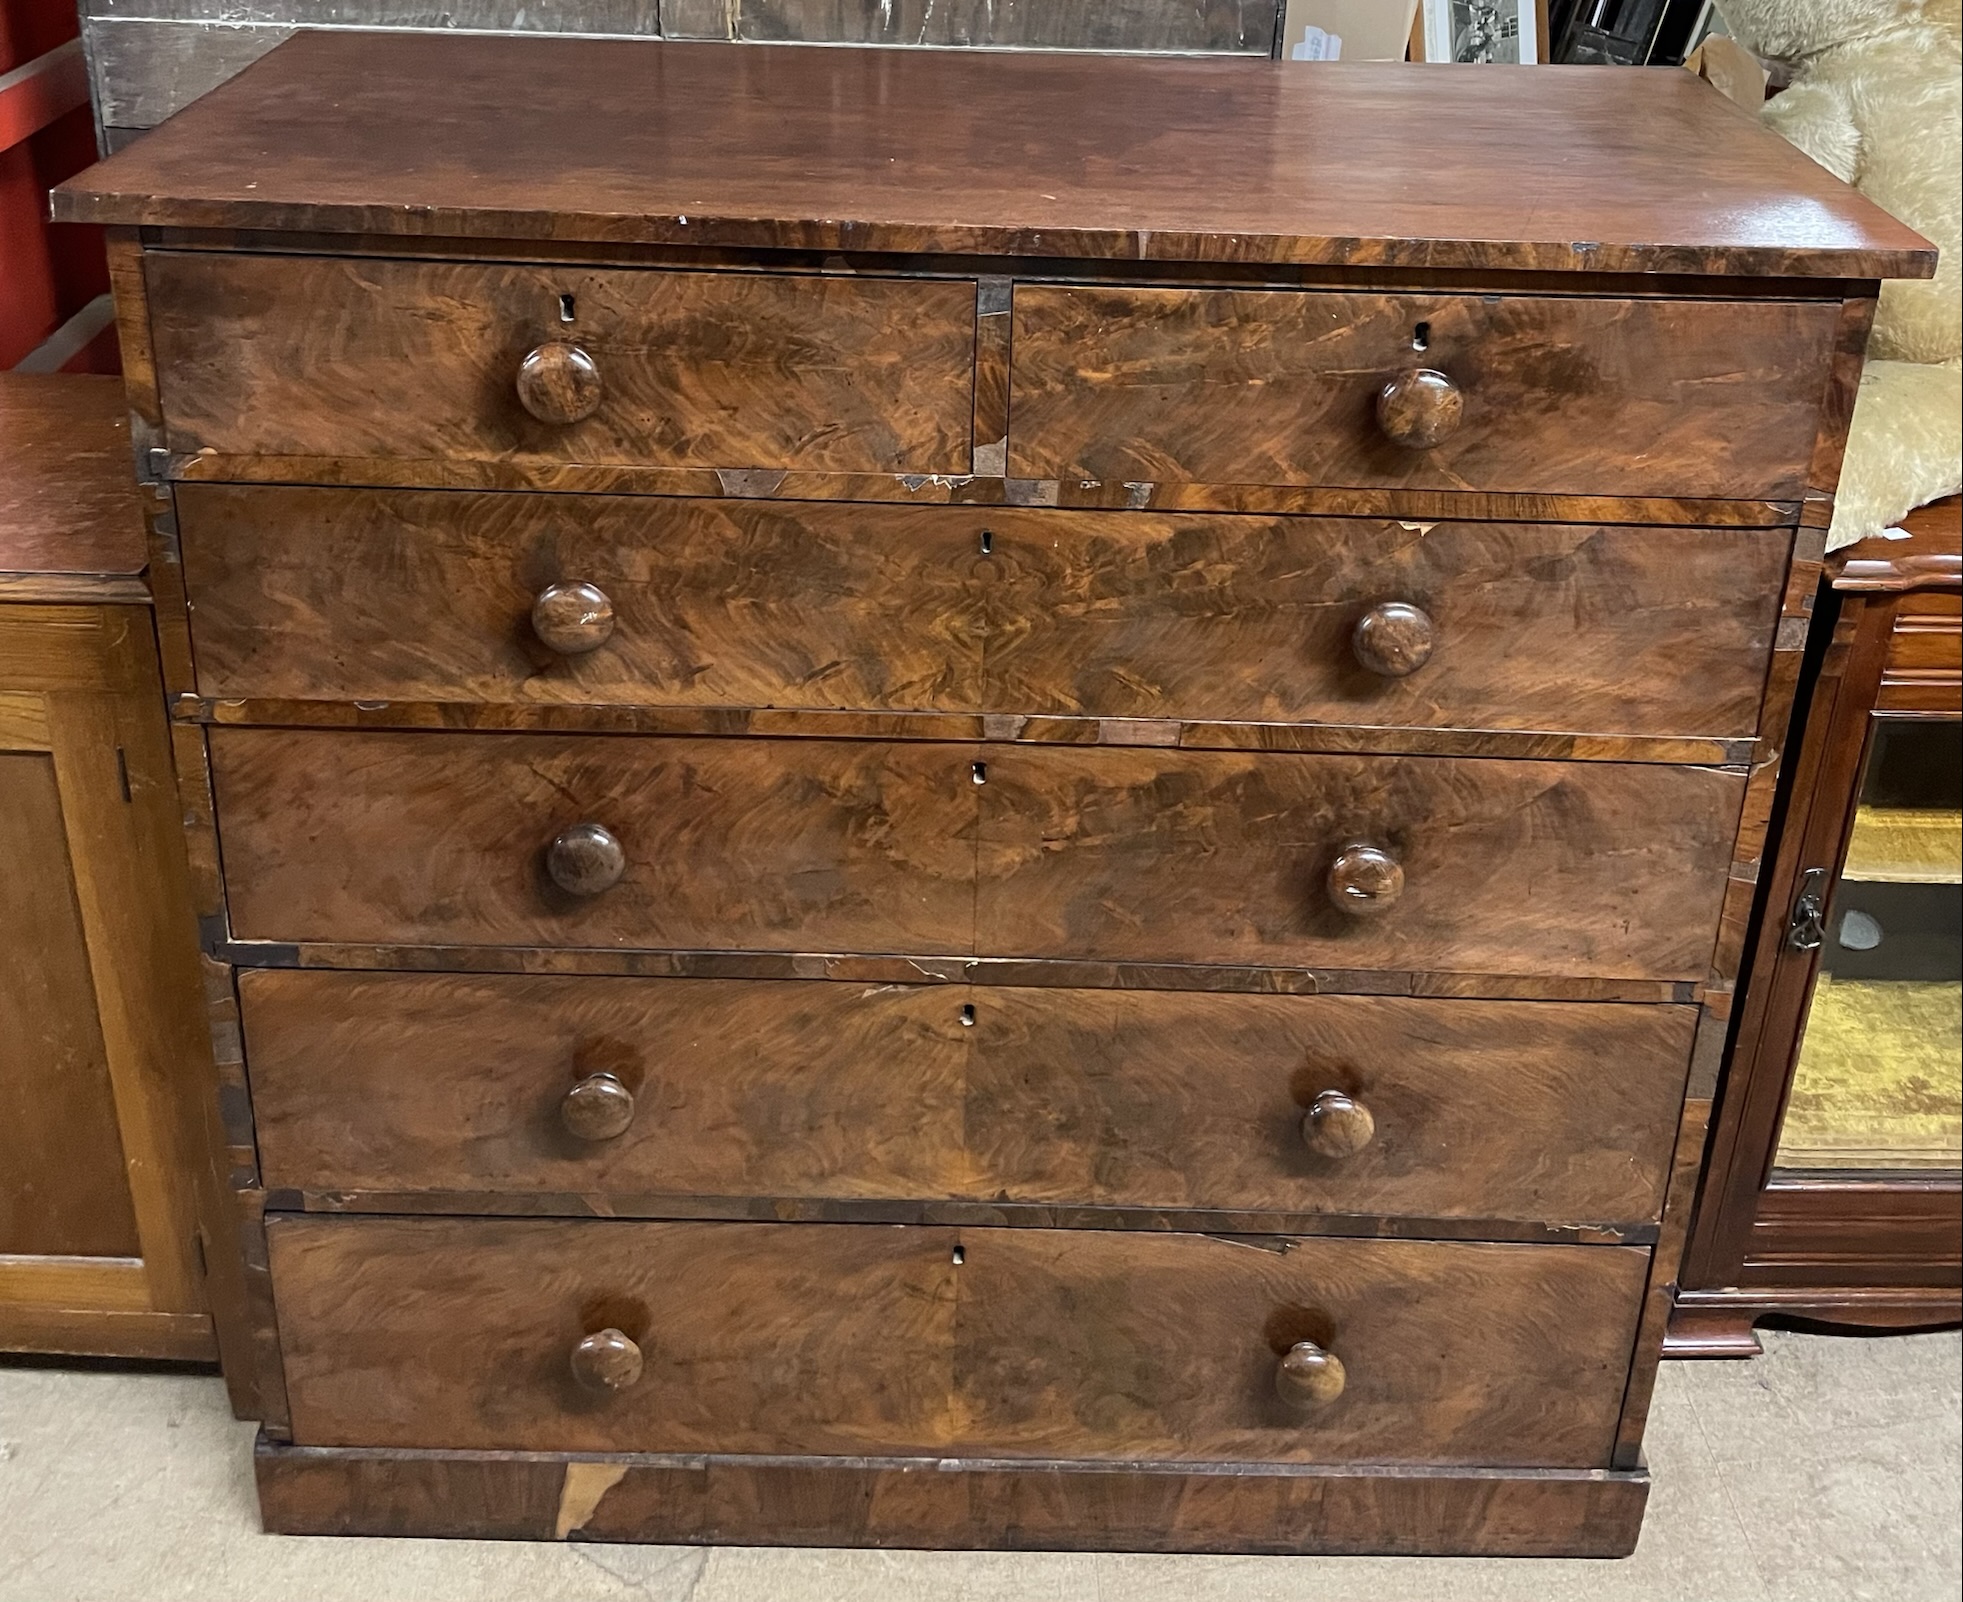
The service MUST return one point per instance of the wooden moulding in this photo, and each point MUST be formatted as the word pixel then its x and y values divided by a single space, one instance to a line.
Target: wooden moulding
pixel 952 1214
pixel 780 723
pixel 852 968
pixel 1719 1323
pixel 1022 268
pixel 972 489
pixel 1931 558
pixel 950 1503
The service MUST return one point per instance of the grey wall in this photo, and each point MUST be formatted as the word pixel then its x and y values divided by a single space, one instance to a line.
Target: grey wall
pixel 152 57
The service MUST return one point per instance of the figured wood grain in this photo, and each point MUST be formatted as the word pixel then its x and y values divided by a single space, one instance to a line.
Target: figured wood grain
pixel 962 1503
pixel 1215 857
pixel 1596 870
pixel 721 603
pixel 1084 1344
pixel 715 603
pixel 1043 154
pixel 728 843
pixel 324 356
pixel 1138 1099
pixel 1560 395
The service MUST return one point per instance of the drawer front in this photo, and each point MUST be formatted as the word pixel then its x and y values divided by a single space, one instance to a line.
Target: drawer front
pixel 648 1088
pixel 1546 395
pixel 841 1338
pixel 1414 863
pixel 405 595
pixel 727 844
pixel 325 356
pixel 1591 869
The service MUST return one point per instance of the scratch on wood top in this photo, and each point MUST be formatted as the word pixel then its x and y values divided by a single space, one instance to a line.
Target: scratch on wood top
pixel 586 1483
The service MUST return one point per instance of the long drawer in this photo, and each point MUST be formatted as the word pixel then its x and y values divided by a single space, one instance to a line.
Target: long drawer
pixel 683 1337
pixel 405 595
pixel 296 356
pixel 1535 394
pixel 1413 863
pixel 632 1090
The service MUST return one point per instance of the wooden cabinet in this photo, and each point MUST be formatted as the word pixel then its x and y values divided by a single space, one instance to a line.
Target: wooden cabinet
pixel 105 1092
pixel 1001 811
pixel 1835 1191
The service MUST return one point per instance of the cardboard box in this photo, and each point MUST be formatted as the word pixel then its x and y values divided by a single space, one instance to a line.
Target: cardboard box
pixel 1347 30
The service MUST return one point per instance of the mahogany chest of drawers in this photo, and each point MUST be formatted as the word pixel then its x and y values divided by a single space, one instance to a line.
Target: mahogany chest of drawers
pixel 953 800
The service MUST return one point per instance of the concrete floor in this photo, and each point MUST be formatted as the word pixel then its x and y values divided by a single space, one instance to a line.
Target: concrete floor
pixel 1829 1468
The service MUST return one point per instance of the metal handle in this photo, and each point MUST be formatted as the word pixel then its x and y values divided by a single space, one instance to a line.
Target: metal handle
pixel 1806 929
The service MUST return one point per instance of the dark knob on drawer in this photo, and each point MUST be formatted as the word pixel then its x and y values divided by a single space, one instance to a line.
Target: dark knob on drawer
pixel 1393 639
pixel 585 859
pixel 1365 880
pixel 559 383
pixel 599 1107
pixel 606 1361
pixel 1337 1125
pixel 1308 1377
pixel 573 618
pixel 1420 409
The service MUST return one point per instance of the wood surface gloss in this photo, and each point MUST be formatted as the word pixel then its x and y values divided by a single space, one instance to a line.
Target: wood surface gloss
pixel 392 1083
pixel 1022 1343
pixel 1053 155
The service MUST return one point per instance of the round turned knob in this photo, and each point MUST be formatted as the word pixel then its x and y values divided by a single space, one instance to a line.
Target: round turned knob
pixel 1337 1125
pixel 1420 409
pixel 574 618
pixel 599 1107
pixel 585 859
pixel 1393 639
pixel 559 383
pixel 1365 880
pixel 1307 1376
pixel 607 1361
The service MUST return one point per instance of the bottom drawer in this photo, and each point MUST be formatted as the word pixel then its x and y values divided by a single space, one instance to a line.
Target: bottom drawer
pixel 851 1338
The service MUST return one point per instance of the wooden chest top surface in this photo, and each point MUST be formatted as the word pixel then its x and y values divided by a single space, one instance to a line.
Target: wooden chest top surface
pixel 1576 169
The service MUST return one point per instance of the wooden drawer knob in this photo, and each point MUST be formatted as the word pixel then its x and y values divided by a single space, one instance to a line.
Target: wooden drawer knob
pixel 575 618
pixel 1420 409
pixel 1393 639
pixel 1309 1377
pixel 599 1107
pixel 585 859
pixel 559 383
pixel 606 1361
pixel 1365 880
pixel 1337 1125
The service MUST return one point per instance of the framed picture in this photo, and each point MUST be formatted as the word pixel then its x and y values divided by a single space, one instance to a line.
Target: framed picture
pixel 1484 30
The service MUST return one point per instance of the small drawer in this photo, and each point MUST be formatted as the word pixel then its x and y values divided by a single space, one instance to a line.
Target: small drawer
pixel 292 356
pixel 406 595
pixel 1591 869
pixel 649 1092
pixel 606 1336
pixel 1520 394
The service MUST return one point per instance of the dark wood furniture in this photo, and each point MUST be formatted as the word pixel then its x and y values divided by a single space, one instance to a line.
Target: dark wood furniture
pixel 1822 1204
pixel 973 801
pixel 107 1196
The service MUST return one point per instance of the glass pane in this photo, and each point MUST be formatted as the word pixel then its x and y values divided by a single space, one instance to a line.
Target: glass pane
pixel 1880 1076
